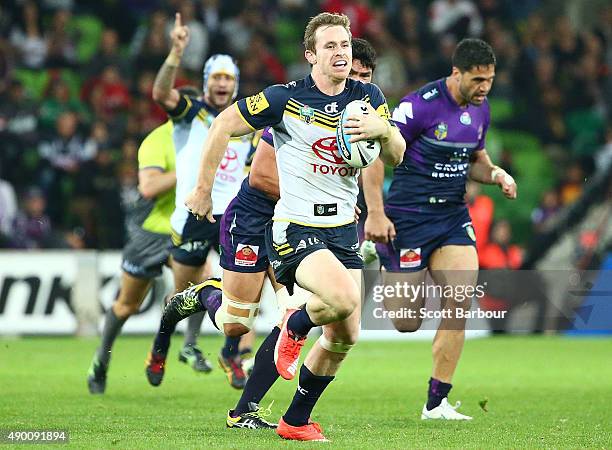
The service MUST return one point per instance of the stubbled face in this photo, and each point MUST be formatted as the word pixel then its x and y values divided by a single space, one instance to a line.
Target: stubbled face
pixel 360 72
pixel 475 84
pixel 220 90
pixel 333 54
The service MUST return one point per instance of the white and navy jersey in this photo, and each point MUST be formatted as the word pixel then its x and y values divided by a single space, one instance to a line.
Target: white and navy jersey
pixel 192 119
pixel 441 137
pixel 317 187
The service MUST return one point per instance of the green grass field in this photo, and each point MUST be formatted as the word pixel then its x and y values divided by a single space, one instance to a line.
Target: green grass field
pixel 543 392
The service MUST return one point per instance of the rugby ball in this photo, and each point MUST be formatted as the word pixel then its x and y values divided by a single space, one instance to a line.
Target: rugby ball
pixel 361 153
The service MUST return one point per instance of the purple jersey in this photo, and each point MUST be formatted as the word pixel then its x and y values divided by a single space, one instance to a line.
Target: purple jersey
pixel 441 137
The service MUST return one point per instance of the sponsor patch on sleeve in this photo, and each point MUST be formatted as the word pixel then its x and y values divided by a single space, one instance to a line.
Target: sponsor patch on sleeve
pixel 383 111
pixel 257 103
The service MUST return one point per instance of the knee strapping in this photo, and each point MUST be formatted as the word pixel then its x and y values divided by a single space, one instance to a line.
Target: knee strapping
pixel 334 347
pixel 232 311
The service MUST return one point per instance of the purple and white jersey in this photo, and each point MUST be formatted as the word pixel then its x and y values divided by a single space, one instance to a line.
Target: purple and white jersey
pixel 441 137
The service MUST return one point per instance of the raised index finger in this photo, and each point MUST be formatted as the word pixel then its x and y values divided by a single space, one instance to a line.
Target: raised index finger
pixel 177 20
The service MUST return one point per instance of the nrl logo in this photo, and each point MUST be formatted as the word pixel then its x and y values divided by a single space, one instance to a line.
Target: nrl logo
pixel 307 114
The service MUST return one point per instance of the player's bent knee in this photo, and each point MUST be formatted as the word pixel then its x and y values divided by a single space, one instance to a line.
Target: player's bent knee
pixel 235 318
pixel 344 302
pixel 336 347
pixel 234 329
pixel 124 309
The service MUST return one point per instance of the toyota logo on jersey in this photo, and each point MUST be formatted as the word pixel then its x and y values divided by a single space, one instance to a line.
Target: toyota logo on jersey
pixel 230 161
pixel 327 149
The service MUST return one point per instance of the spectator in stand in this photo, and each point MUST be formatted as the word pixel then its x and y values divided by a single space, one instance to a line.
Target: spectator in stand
pixel 108 53
pixel 59 101
pixel 8 211
pixel 27 38
pixel 32 226
pixel 149 46
pixel 149 113
pixel 571 185
pixel 499 253
pixel 543 216
pixel 460 18
pixel 61 43
pixel 270 61
pixel 62 154
pixel 6 65
pixel 18 132
pixel 110 95
pixel 481 209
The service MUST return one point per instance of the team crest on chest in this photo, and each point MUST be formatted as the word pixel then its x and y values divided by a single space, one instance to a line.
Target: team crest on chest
pixel 441 131
pixel 307 114
pixel 465 118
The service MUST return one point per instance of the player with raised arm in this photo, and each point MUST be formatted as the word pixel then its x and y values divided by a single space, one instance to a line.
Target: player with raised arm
pixel 192 239
pixel 425 224
pixel 313 239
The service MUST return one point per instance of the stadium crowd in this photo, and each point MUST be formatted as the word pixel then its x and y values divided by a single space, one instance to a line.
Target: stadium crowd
pixel 76 81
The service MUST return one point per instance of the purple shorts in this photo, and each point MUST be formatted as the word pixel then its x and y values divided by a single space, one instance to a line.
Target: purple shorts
pixel 242 229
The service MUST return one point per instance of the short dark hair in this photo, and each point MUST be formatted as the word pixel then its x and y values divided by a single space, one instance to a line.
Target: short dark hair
pixel 472 52
pixel 364 52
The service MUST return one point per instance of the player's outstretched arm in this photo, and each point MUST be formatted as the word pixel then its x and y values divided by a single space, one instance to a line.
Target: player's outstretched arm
pixel 484 171
pixel 378 227
pixel 163 87
pixel 226 125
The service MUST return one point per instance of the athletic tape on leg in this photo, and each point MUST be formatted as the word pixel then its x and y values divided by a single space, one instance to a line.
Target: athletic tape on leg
pixel 224 316
pixel 334 347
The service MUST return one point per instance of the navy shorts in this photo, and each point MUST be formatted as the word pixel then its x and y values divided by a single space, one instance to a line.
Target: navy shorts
pixel 242 242
pixel 289 243
pixel 198 238
pixel 420 232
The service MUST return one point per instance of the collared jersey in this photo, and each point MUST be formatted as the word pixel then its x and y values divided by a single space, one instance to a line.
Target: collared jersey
pixel 441 137
pixel 156 151
pixel 192 119
pixel 317 187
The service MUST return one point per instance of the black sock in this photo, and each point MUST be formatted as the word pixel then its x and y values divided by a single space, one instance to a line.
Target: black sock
pixel 436 392
pixel 112 328
pixel 310 388
pixel 230 349
pixel 300 322
pixel 178 309
pixel 246 353
pixel 211 300
pixel 264 374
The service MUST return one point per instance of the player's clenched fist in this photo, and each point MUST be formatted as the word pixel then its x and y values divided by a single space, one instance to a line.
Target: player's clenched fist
pixel 199 204
pixel 505 182
pixel 179 35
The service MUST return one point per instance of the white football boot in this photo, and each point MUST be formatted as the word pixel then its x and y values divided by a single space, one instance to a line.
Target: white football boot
pixel 444 411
